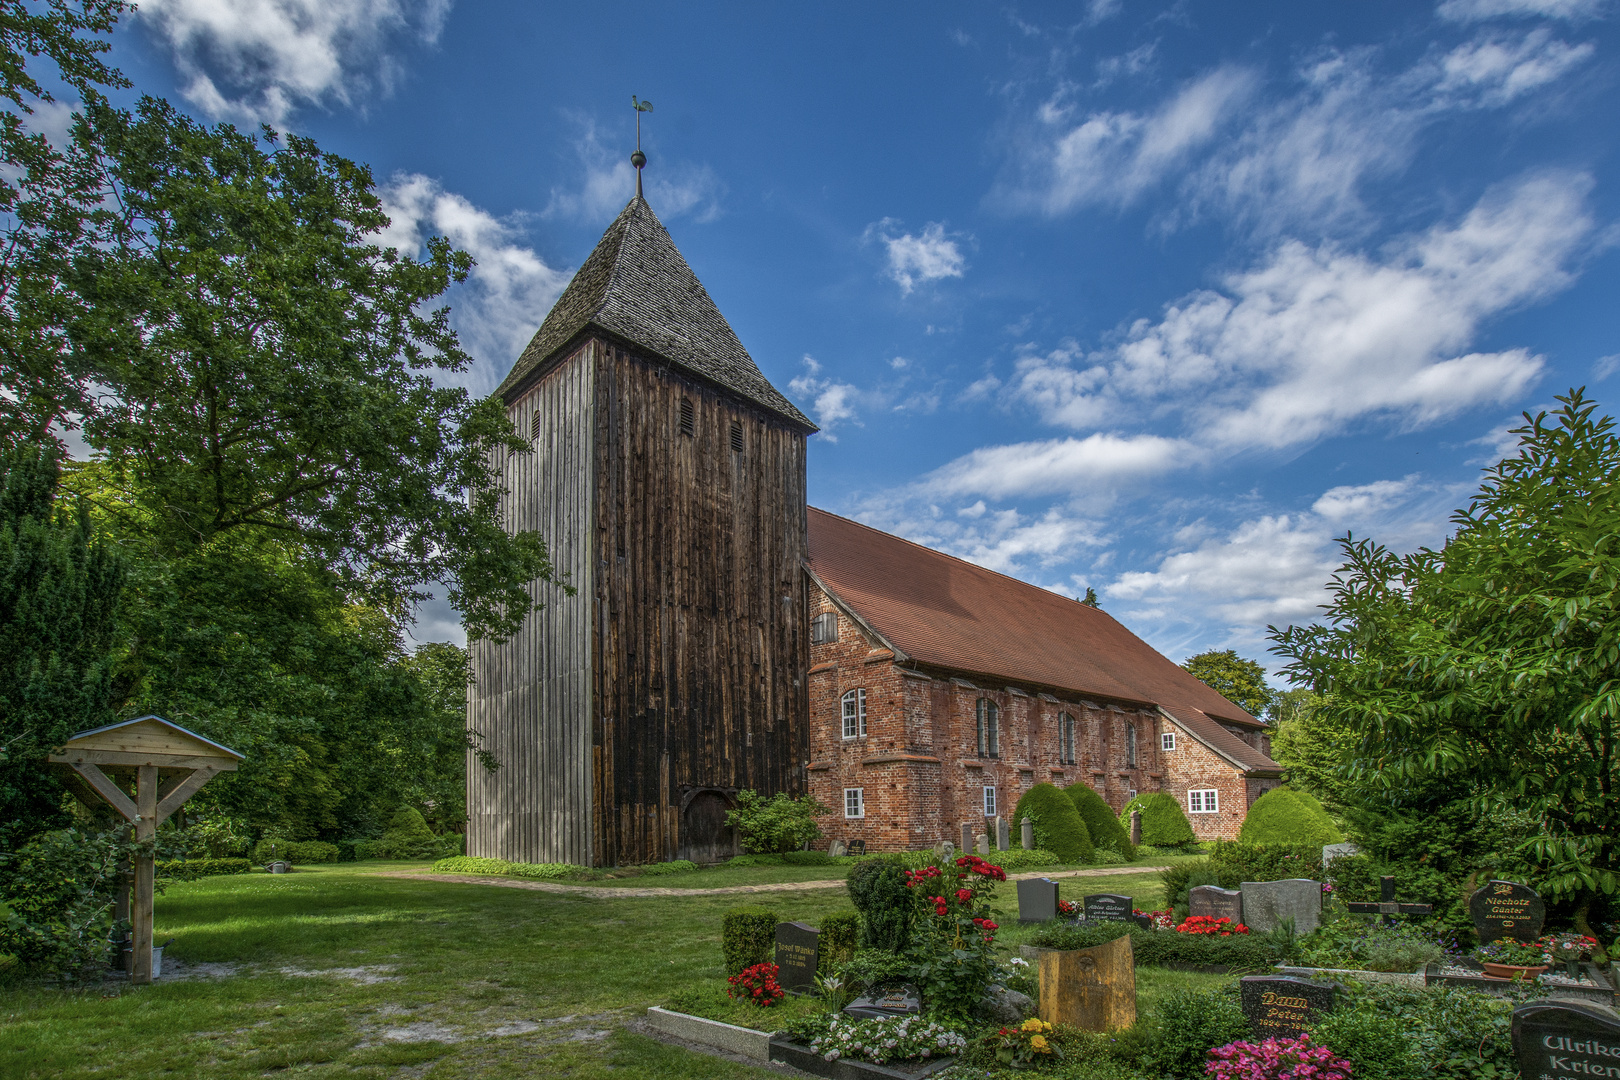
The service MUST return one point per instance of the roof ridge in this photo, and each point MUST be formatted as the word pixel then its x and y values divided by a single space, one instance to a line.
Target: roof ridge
pixel 967 562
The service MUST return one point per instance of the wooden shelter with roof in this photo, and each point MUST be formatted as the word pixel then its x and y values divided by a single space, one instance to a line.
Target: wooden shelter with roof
pixel 144 770
pixel 941 691
pixel 667 476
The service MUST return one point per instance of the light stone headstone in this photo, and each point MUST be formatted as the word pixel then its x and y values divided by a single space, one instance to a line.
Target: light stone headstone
pixel 1337 851
pixel 1214 902
pixel 837 849
pixel 1136 827
pixel 1037 900
pixel 1267 903
pixel 967 837
pixel 981 844
pixel 1026 834
pixel 1003 834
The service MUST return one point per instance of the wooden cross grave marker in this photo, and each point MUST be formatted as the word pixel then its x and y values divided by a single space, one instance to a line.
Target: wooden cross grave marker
pixel 1387 904
pixel 168 765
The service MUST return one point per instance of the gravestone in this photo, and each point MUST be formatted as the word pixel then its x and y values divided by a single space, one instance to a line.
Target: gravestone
pixel 1281 1006
pixel 857 847
pixel 981 844
pixel 945 850
pixel 1214 902
pixel 1003 834
pixel 1136 827
pixel 1091 989
pixel 1037 900
pixel 1337 851
pixel 1566 1039
pixel 881 1001
pixel 1506 909
pixel 967 838
pixel 797 951
pixel 1387 906
pixel 1107 907
pixel 837 849
pixel 1026 834
pixel 1267 903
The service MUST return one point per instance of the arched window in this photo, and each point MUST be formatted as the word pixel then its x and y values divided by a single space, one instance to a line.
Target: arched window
pixel 854 714
pixel 989 739
pixel 1065 739
pixel 1130 745
pixel 824 629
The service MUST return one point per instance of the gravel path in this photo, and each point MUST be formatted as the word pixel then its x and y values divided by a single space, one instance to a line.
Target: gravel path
pixel 597 892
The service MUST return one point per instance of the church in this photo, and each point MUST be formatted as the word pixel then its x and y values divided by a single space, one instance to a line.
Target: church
pixel 719 635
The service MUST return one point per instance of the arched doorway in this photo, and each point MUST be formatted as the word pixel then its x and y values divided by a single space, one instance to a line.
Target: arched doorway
pixel 705 837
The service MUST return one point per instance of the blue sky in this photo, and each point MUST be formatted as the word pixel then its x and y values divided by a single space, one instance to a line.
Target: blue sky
pixel 1155 298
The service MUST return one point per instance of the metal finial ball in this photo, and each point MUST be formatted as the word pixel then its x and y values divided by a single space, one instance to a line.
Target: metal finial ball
pixel 638 159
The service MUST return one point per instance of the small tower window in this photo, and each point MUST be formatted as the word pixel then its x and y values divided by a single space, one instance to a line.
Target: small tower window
pixel 736 438
pixel 824 629
pixel 534 426
pixel 688 417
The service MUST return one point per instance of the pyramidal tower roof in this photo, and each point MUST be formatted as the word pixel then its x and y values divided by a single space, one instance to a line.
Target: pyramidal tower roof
pixel 636 287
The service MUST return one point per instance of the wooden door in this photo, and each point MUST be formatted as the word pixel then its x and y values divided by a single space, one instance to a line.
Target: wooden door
pixel 705 837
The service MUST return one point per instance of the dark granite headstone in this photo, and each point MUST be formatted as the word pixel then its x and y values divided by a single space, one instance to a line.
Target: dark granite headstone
pixel 797 951
pixel 857 847
pixel 1037 900
pixel 1506 909
pixel 1282 1006
pixel 1562 1039
pixel 1215 902
pixel 885 1001
pixel 1107 907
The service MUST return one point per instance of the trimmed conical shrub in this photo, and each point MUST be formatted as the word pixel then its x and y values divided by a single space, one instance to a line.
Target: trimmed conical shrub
pixel 1058 827
pixel 1163 823
pixel 1105 829
pixel 1284 816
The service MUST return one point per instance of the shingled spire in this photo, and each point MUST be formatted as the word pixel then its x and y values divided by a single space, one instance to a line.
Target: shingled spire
pixel 637 288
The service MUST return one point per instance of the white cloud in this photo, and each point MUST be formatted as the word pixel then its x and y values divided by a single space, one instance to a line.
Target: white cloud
pixel 1005 541
pixel 1134 62
pixel 258 60
pixel 1057 466
pixel 831 401
pixel 1359 501
pixel 1475 10
pixel 1111 158
pixel 1604 366
pixel 608 181
pixel 497 310
pixel 1315 339
pixel 1499 69
pixel 1099 11
pixel 919 259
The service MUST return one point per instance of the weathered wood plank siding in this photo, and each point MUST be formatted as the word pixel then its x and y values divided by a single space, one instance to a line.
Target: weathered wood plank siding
pixel 702 640
pixel 530 703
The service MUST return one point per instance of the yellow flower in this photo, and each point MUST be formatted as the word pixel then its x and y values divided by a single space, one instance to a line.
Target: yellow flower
pixel 1032 1024
pixel 1038 1044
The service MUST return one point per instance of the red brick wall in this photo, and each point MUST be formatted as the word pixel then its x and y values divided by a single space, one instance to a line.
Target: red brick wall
pixel 918 765
pixel 1193 765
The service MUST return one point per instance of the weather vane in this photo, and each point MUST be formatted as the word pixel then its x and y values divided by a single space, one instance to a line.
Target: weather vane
pixel 638 159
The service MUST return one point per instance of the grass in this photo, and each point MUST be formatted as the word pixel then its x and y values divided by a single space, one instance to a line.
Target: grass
pixel 333 959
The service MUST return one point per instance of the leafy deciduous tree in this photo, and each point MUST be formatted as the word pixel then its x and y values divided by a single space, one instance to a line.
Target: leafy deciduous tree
pixel 1240 681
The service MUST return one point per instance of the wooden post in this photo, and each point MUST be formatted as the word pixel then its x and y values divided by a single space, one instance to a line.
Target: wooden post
pixel 1091 989
pixel 146 804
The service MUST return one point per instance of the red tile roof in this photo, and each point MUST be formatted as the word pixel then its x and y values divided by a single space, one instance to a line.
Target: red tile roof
pixel 942 611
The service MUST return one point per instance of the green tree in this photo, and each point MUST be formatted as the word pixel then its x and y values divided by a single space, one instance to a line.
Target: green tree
pixel 1312 745
pixel 1490 666
pixel 265 366
pixel 59 594
pixel 1240 681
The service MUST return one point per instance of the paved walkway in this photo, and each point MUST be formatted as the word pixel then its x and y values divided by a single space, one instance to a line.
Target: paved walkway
pixel 597 892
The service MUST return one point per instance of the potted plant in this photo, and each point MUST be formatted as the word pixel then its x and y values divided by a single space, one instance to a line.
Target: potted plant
pixel 1570 950
pixel 1510 959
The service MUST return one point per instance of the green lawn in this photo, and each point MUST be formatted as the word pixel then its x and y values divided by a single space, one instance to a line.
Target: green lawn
pixel 339 967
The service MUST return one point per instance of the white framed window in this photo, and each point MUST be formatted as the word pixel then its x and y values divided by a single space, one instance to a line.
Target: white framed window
pixel 989 802
pixel 1167 741
pixel 989 737
pixel 854 802
pixel 824 629
pixel 855 714
pixel 1065 739
pixel 1203 801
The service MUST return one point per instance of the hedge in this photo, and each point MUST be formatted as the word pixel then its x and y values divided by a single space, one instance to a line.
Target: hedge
pixel 1164 947
pixel 747 937
pixel 1104 827
pixel 1058 827
pixel 878 889
pixel 755 860
pixel 191 869
pixel 472 864
pixel 1019 859
pixel 1282 816
pixel 836 945
pixel 1163 823
pixel 298 852
pixel 806 858
pixel 674 866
